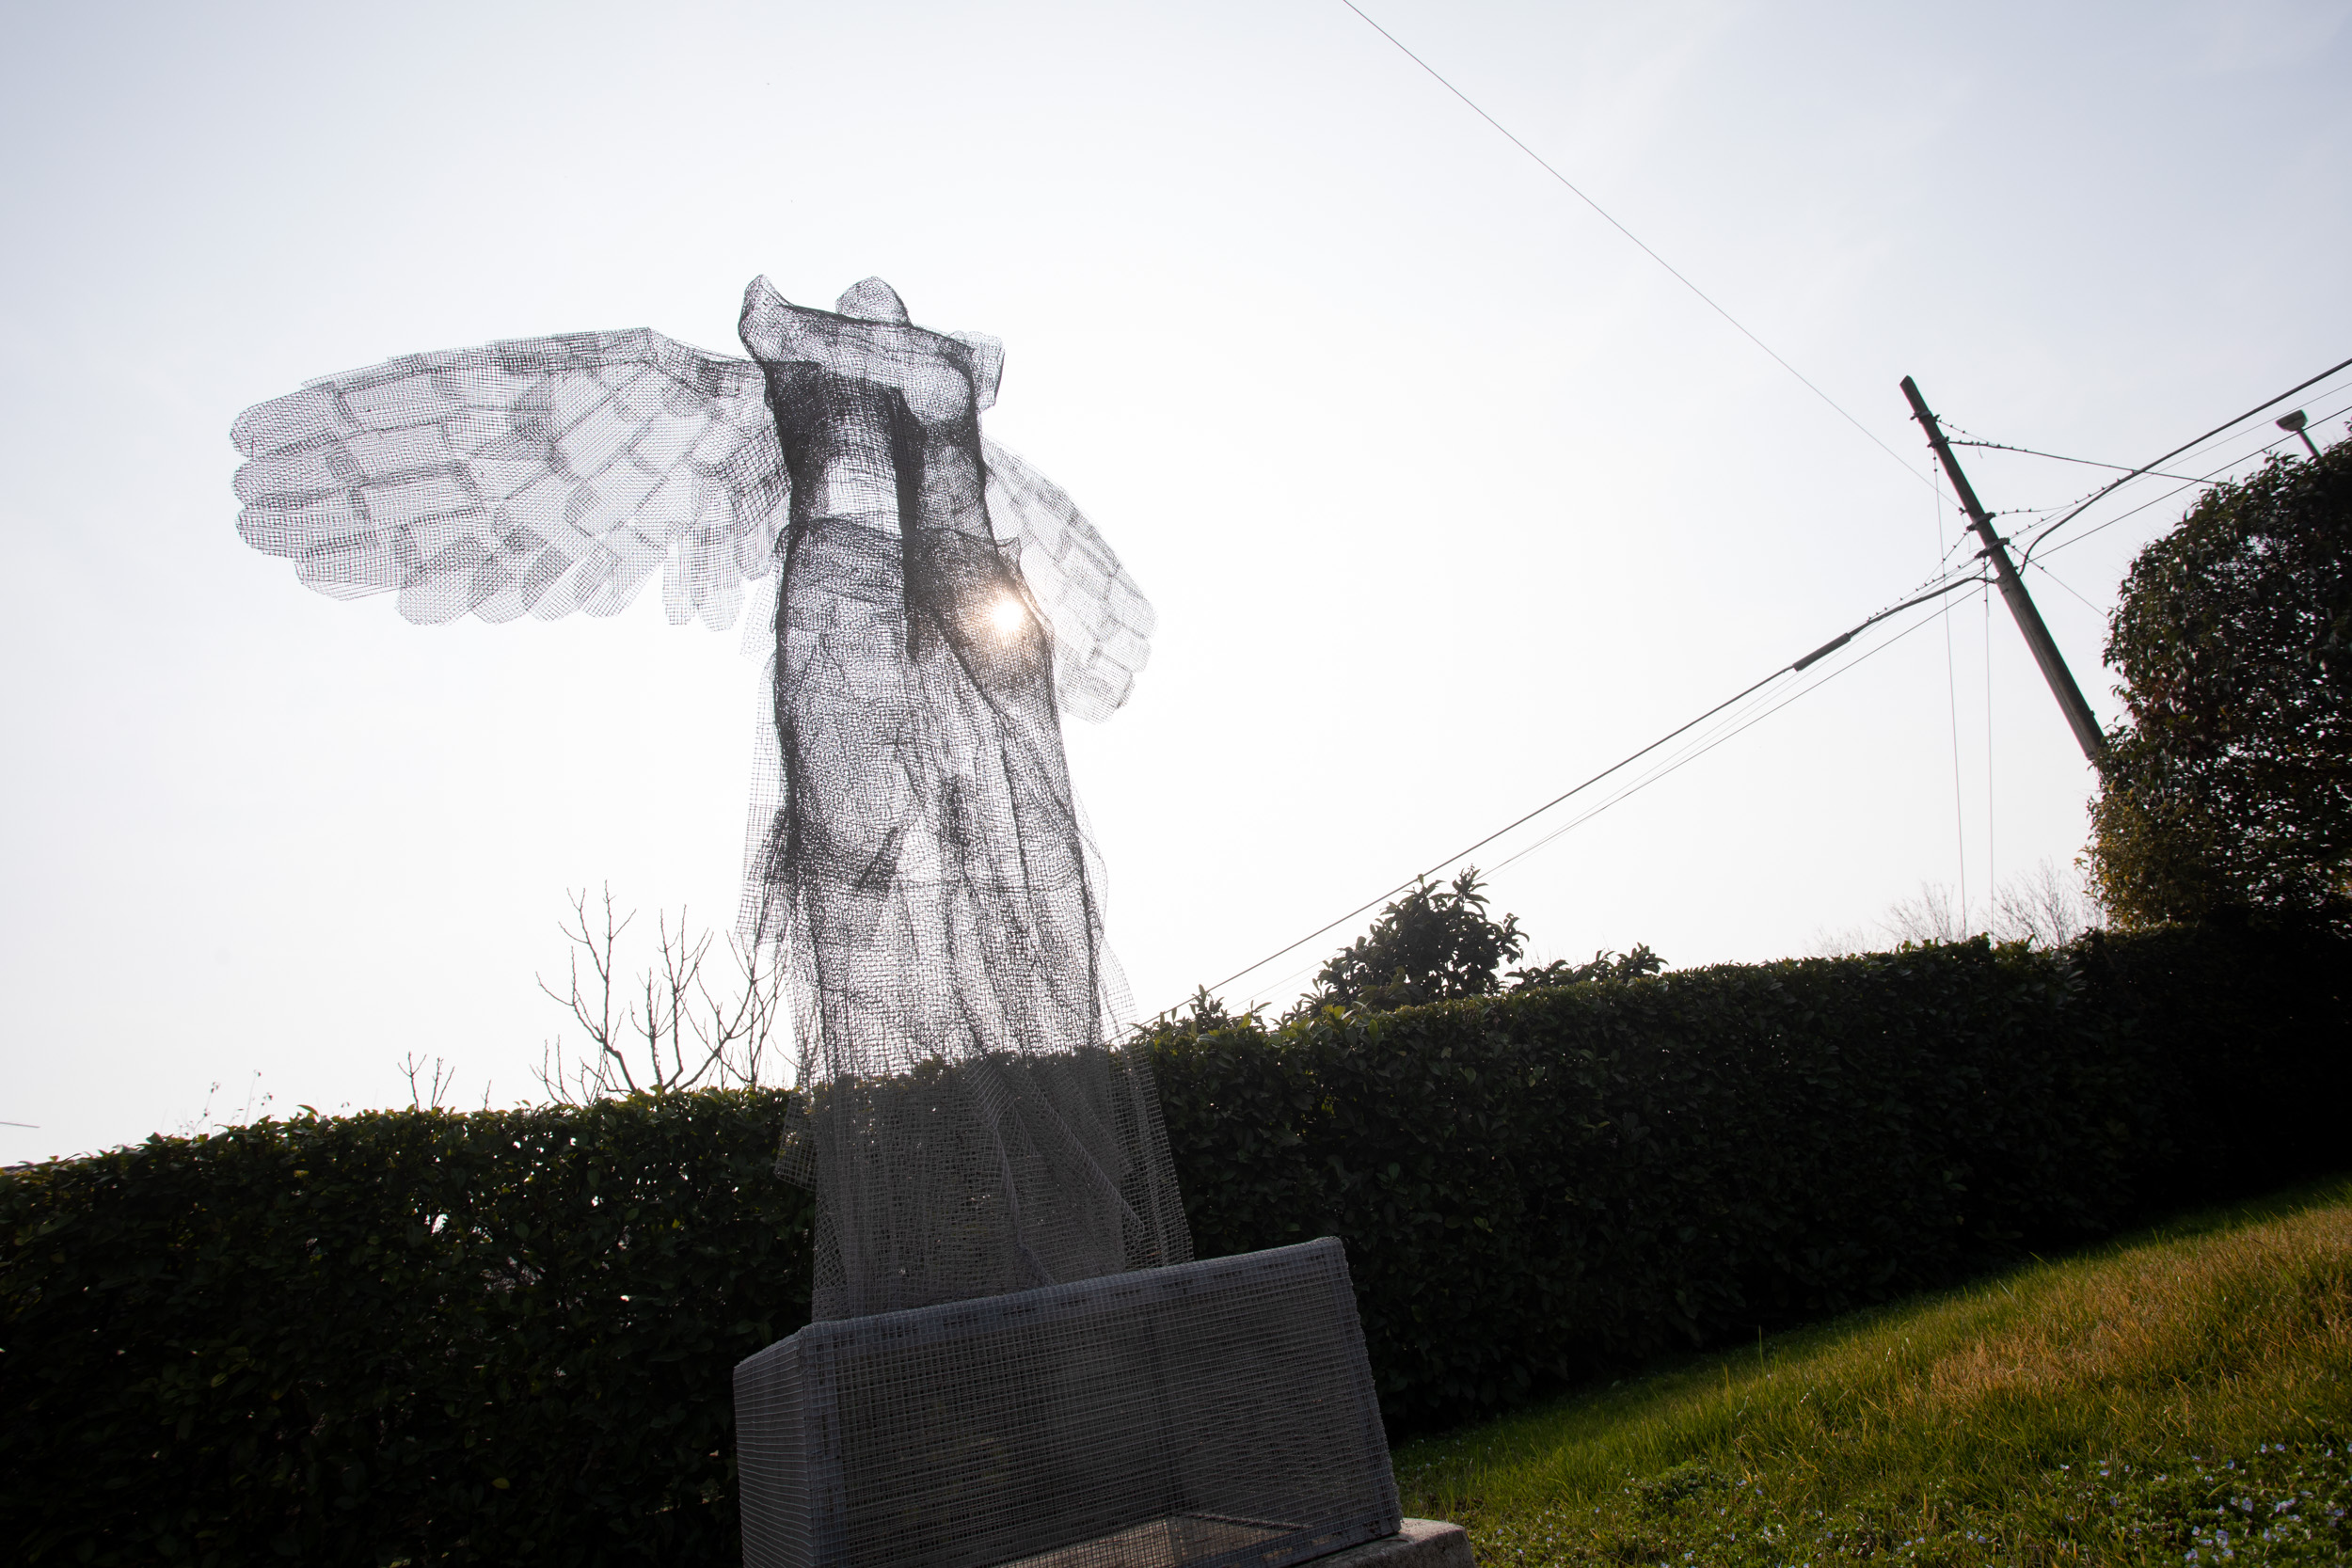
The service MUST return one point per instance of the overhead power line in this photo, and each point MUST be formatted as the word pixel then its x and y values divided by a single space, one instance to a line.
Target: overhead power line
pixel 2210 477
pixel 2085 462
pixel 2104 490
pixel 2045 571
pixel 1732 727
pixel 1619 765
pixel 1708 743
pixel 1638 243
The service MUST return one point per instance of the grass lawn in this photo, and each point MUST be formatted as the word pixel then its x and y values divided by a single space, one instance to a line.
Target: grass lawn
pixel 2182 1396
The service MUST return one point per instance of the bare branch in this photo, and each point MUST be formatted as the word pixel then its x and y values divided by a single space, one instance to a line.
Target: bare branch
pixel 1936 915
pixel 442 1078
pixel 2046 905
pixel 691 1032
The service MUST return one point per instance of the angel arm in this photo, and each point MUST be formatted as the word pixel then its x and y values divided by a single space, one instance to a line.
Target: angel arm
pixel 548 474
pixel 1100 620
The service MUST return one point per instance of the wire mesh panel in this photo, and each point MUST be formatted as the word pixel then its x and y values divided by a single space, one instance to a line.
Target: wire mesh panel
pixel 1190 1416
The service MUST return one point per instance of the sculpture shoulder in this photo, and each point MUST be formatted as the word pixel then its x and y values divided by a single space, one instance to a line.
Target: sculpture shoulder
pixel 942 376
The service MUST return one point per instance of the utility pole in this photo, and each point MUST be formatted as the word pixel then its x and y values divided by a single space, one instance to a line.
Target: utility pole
pixel 2045 653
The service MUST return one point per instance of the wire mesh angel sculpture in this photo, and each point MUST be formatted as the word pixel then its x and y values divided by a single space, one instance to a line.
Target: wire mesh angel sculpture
pixel 982 1156
pixel 915 847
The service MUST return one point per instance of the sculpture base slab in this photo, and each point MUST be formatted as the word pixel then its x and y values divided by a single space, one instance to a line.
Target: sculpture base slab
pixel 1419 1544
pixel 1209 1415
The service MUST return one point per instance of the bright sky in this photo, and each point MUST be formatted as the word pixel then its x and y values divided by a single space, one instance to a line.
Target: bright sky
pixel 1448 496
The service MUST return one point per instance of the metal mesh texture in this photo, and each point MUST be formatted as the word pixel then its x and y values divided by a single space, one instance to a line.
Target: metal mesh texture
pixel 1192 1416
pixel 916 846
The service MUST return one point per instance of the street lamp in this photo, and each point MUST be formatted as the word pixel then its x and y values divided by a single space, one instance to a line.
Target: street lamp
pixel 2295 422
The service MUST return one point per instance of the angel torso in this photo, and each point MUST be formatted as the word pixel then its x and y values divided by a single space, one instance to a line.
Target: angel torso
pixel 877 418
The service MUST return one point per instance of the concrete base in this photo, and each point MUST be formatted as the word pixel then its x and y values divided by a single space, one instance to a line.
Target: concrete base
pixel 1210 1415
pixel 1420 1544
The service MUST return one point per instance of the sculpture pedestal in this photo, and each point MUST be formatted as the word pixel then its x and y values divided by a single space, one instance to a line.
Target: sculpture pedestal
pixel 1210 1415
pixel 1418 1544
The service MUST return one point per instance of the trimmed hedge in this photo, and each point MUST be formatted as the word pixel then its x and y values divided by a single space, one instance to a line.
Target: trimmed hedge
pixel 507 1335
pixel 1533 1187
pixel 501 1337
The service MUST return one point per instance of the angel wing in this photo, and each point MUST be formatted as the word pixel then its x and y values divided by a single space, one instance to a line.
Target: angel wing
pixel 1101 622
pixel 545 474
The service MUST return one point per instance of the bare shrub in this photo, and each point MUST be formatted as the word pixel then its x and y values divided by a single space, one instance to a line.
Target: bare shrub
pixel 2046 905
pixel 669 1030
